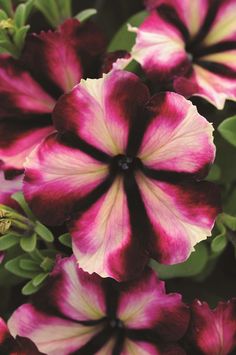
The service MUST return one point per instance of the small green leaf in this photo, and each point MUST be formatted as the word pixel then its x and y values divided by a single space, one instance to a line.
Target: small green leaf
pixel 3 15
pixel 65 239
pixel 219 243
pixel 14 267
pixel 85 15
pixel 29 288
pixel 47 264
pixel 28 244
pixel 193 266
pixel 19 197
pixel 7 241
pixel 39 279
pixel 19 37
pixel 19 17
pixel 229 221
pixel 124 39
pixel 44 232
pixel 214 173
pixel 29 265
pixel 228 130
pixel 6 5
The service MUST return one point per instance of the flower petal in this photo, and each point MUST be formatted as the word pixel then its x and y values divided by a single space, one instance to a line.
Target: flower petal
pixel 74 293
pixel 102 237
pixel 59 175
pixel 213 331
pixel 223 27
pixel 160 48
pixel 140 348
pixel 56 58
pixel 52 335
pixel 143 304
pixel 101 111
pixel 20 94
pixel 18 139
pixel 213 86
pixel 181 215
pixel 178 138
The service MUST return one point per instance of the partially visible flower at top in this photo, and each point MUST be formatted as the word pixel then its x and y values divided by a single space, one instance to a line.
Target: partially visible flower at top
pixel 125 168
pixel 192 46
pixel 15 346
pixel 84 314
pixel 213 332
pixel 50 65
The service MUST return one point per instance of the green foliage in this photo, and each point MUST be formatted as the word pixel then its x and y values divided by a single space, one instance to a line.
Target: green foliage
pixel 124 39
pixel 55 11
pixel 13 26
pixel 228 130
pixel 192 267
pixel 85 15
pixel 65 239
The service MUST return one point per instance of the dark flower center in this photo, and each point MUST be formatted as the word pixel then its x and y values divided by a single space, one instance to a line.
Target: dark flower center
pixel 116 324
pixel 125 164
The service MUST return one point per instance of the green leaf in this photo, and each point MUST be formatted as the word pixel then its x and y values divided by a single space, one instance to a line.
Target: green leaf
pixel 19 37
pixel 85 15
pixel 44 232
pixel 3 15
pixel 47 264
pixel 229 221
pixel 228 130
pixel 193 266
pixel 29 288
pixel 14 267
pixel 19 17
pixel 123 39
pixel 29 265
pixel 219 243
pixel 7 7
pixel 19 197
pixel 7 241
pixel 39 279
pixel 28 243
pixel 214 173
pixel 65 239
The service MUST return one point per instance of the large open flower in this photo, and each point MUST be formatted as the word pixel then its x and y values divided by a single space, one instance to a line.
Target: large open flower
pixel 213 331
pixel 193 44
pixel 125 165
pixel 51 64
pixel 17 346
pixel 84 314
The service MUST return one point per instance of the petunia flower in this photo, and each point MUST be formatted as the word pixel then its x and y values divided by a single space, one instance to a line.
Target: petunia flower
pixel 125 168
pixel 17 346
pixel 51 64
pixel 190 45
pixel 213 331
pixel 84 314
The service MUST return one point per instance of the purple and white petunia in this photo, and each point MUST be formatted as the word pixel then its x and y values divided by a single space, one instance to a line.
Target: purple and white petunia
pixel 17 346
pixel 50 65
pixel 84 314
pixel 124 169
pixel 190 46
pixel 213 331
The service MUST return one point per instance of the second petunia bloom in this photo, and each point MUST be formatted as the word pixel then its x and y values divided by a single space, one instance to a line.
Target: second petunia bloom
pixel 190 45
pixel 124 170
